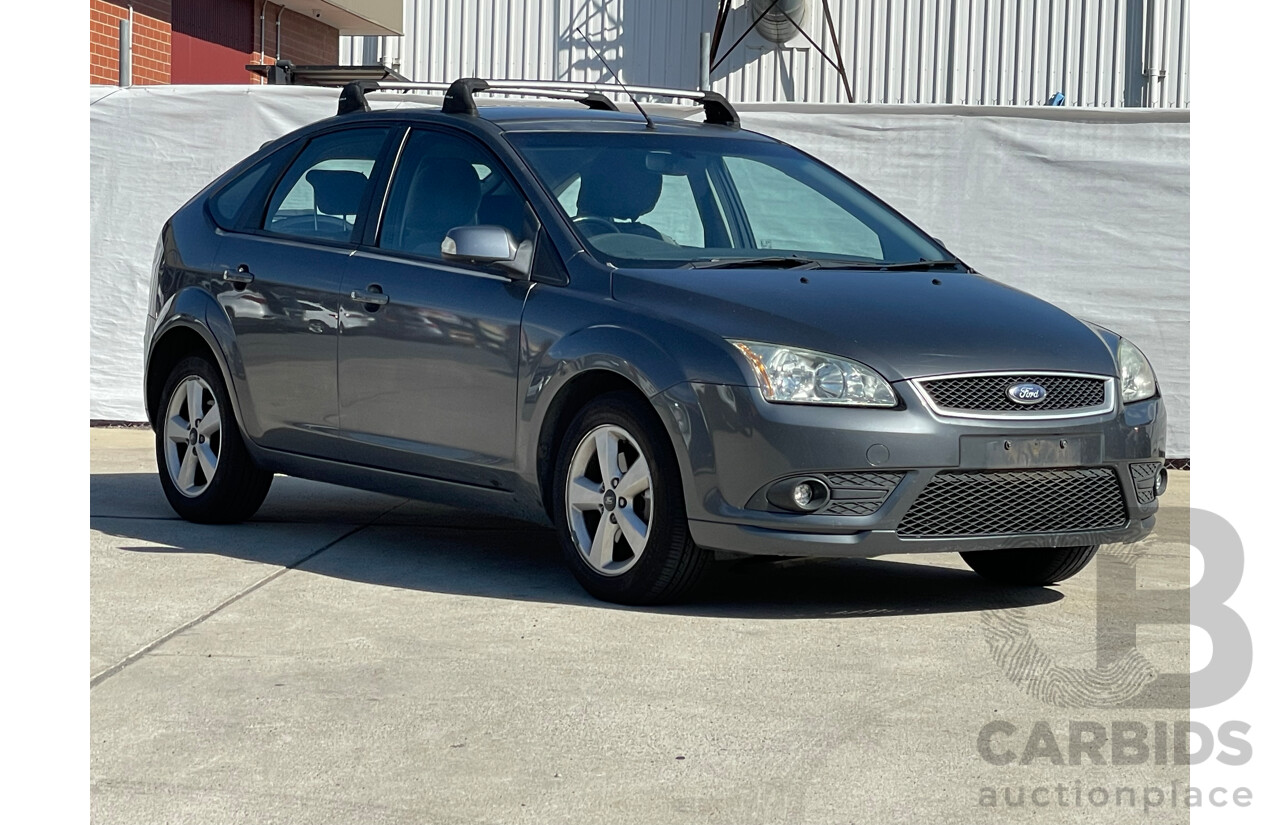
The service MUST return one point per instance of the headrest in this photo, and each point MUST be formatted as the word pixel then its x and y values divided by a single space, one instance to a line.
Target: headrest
pixel 337 191
pixel 455 181
pixel 619 186
pixel 445 193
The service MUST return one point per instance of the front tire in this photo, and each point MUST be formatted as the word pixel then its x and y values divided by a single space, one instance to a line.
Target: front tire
pixel 1030 566
pixel 619 506
pixel 207 474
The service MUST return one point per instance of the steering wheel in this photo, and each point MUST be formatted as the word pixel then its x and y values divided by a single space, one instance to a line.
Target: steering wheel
pixel 587 220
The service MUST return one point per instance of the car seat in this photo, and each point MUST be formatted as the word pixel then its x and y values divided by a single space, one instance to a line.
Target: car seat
pixel 618 189
pixel 444 193
pixel 338 193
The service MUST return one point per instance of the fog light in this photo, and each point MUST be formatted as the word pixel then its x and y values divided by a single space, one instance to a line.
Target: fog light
pixel 799 495
pixel 1162 481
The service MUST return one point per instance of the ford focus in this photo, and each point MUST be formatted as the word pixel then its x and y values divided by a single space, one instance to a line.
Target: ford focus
pixel 670 339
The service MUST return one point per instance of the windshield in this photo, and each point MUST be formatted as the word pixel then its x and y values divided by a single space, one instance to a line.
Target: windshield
pixel 663 200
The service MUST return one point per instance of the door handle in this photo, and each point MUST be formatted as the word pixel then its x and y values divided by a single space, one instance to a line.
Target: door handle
pixel 369 298
pixel 241 277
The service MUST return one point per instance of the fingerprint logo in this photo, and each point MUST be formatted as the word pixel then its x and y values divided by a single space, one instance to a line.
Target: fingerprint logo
pixel 1025 664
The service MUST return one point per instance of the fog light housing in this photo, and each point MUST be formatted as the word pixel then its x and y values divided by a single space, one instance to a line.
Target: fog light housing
pixel 799 495
pixel 1162 481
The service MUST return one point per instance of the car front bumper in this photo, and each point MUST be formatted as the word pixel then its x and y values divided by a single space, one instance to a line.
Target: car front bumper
pixel 736 445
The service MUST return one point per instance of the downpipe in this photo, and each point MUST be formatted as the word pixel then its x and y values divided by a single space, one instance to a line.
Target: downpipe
pixel 1153 71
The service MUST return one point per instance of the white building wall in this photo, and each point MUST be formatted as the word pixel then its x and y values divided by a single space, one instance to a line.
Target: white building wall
pixel 1005 52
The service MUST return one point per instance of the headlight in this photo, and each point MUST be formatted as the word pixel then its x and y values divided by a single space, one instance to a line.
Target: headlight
pixel 800 376
pixel 1137 379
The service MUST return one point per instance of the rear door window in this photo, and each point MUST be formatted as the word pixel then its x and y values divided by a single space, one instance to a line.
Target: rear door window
pixel 325 192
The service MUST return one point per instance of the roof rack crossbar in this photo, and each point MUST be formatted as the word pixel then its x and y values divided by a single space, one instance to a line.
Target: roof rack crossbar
pixel 717 108
pixel 456 101
pixel 458 98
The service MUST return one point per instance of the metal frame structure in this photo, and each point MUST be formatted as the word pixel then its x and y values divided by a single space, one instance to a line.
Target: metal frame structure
pixel 722 16
pixel 286 73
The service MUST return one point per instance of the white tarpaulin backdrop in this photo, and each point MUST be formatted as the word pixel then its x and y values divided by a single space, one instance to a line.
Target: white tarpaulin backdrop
pixel 1089 209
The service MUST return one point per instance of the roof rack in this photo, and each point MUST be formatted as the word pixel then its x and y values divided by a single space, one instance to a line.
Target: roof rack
pixel 458 97
pixel 285 72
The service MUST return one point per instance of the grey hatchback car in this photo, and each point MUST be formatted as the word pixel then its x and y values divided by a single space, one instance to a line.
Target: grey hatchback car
pixel 670 339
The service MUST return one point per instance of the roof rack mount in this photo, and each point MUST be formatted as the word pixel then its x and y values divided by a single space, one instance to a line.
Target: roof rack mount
pixel 459 95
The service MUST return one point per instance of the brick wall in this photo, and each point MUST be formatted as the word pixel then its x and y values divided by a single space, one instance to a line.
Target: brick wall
pixel 151 42
pixel 303 40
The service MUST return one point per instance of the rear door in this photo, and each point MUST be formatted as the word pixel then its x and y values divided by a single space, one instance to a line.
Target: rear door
pixel 427 375
pixel 287 266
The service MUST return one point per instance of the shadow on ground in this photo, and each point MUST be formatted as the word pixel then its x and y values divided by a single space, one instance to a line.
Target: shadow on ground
pixel 392 542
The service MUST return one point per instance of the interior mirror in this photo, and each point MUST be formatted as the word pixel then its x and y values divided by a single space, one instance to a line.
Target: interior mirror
pixel 488 245
pixel 670 163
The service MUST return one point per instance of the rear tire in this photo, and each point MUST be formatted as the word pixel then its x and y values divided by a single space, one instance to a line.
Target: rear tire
pixel 1032 566
pixel 207 473
pixel 619 506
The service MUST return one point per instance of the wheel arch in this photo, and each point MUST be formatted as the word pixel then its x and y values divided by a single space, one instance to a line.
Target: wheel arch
pixel 174 344
pixel 572 397
pixel 598 359
pixel 184 329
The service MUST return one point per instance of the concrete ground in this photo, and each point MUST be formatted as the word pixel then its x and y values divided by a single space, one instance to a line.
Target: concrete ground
pixel 350 657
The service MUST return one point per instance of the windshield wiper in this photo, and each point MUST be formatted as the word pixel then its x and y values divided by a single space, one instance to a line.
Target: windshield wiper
pixel 922 264
pixel 796 262
pixel 772 262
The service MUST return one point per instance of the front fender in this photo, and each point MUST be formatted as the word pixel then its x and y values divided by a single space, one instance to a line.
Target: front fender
pixel 639 359
pixel 547 371
pixel 553 366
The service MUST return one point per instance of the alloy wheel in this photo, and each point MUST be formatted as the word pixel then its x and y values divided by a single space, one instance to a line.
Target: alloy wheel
pixel 609 500
pixel 193 436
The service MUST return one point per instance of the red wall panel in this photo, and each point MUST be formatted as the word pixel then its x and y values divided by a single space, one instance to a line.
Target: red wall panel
pixel 228 23
pixel 200 61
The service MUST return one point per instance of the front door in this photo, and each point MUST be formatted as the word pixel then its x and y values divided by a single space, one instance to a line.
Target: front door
pixel 429 349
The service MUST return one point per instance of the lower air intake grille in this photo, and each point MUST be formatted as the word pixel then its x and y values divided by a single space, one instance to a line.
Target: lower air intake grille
pixel 1144 480
pixel 1027 501
pixel 859 494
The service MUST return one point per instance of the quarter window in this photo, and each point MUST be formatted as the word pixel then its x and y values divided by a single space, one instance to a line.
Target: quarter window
pixel 228 204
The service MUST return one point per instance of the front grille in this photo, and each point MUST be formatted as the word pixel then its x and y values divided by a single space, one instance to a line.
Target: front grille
pixel 859 494
pixel 1144 480
pixel 988 393
pixel 1024 501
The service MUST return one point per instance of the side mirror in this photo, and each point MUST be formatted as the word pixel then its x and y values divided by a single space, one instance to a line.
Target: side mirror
pixel 488 245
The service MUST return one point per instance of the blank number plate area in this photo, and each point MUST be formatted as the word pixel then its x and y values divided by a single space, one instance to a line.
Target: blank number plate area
pixel 987 453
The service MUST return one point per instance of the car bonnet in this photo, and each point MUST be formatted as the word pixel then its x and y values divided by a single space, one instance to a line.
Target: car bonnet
pixel 904 324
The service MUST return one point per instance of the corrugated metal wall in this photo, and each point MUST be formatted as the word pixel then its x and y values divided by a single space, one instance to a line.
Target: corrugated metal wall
pixel 1010 52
